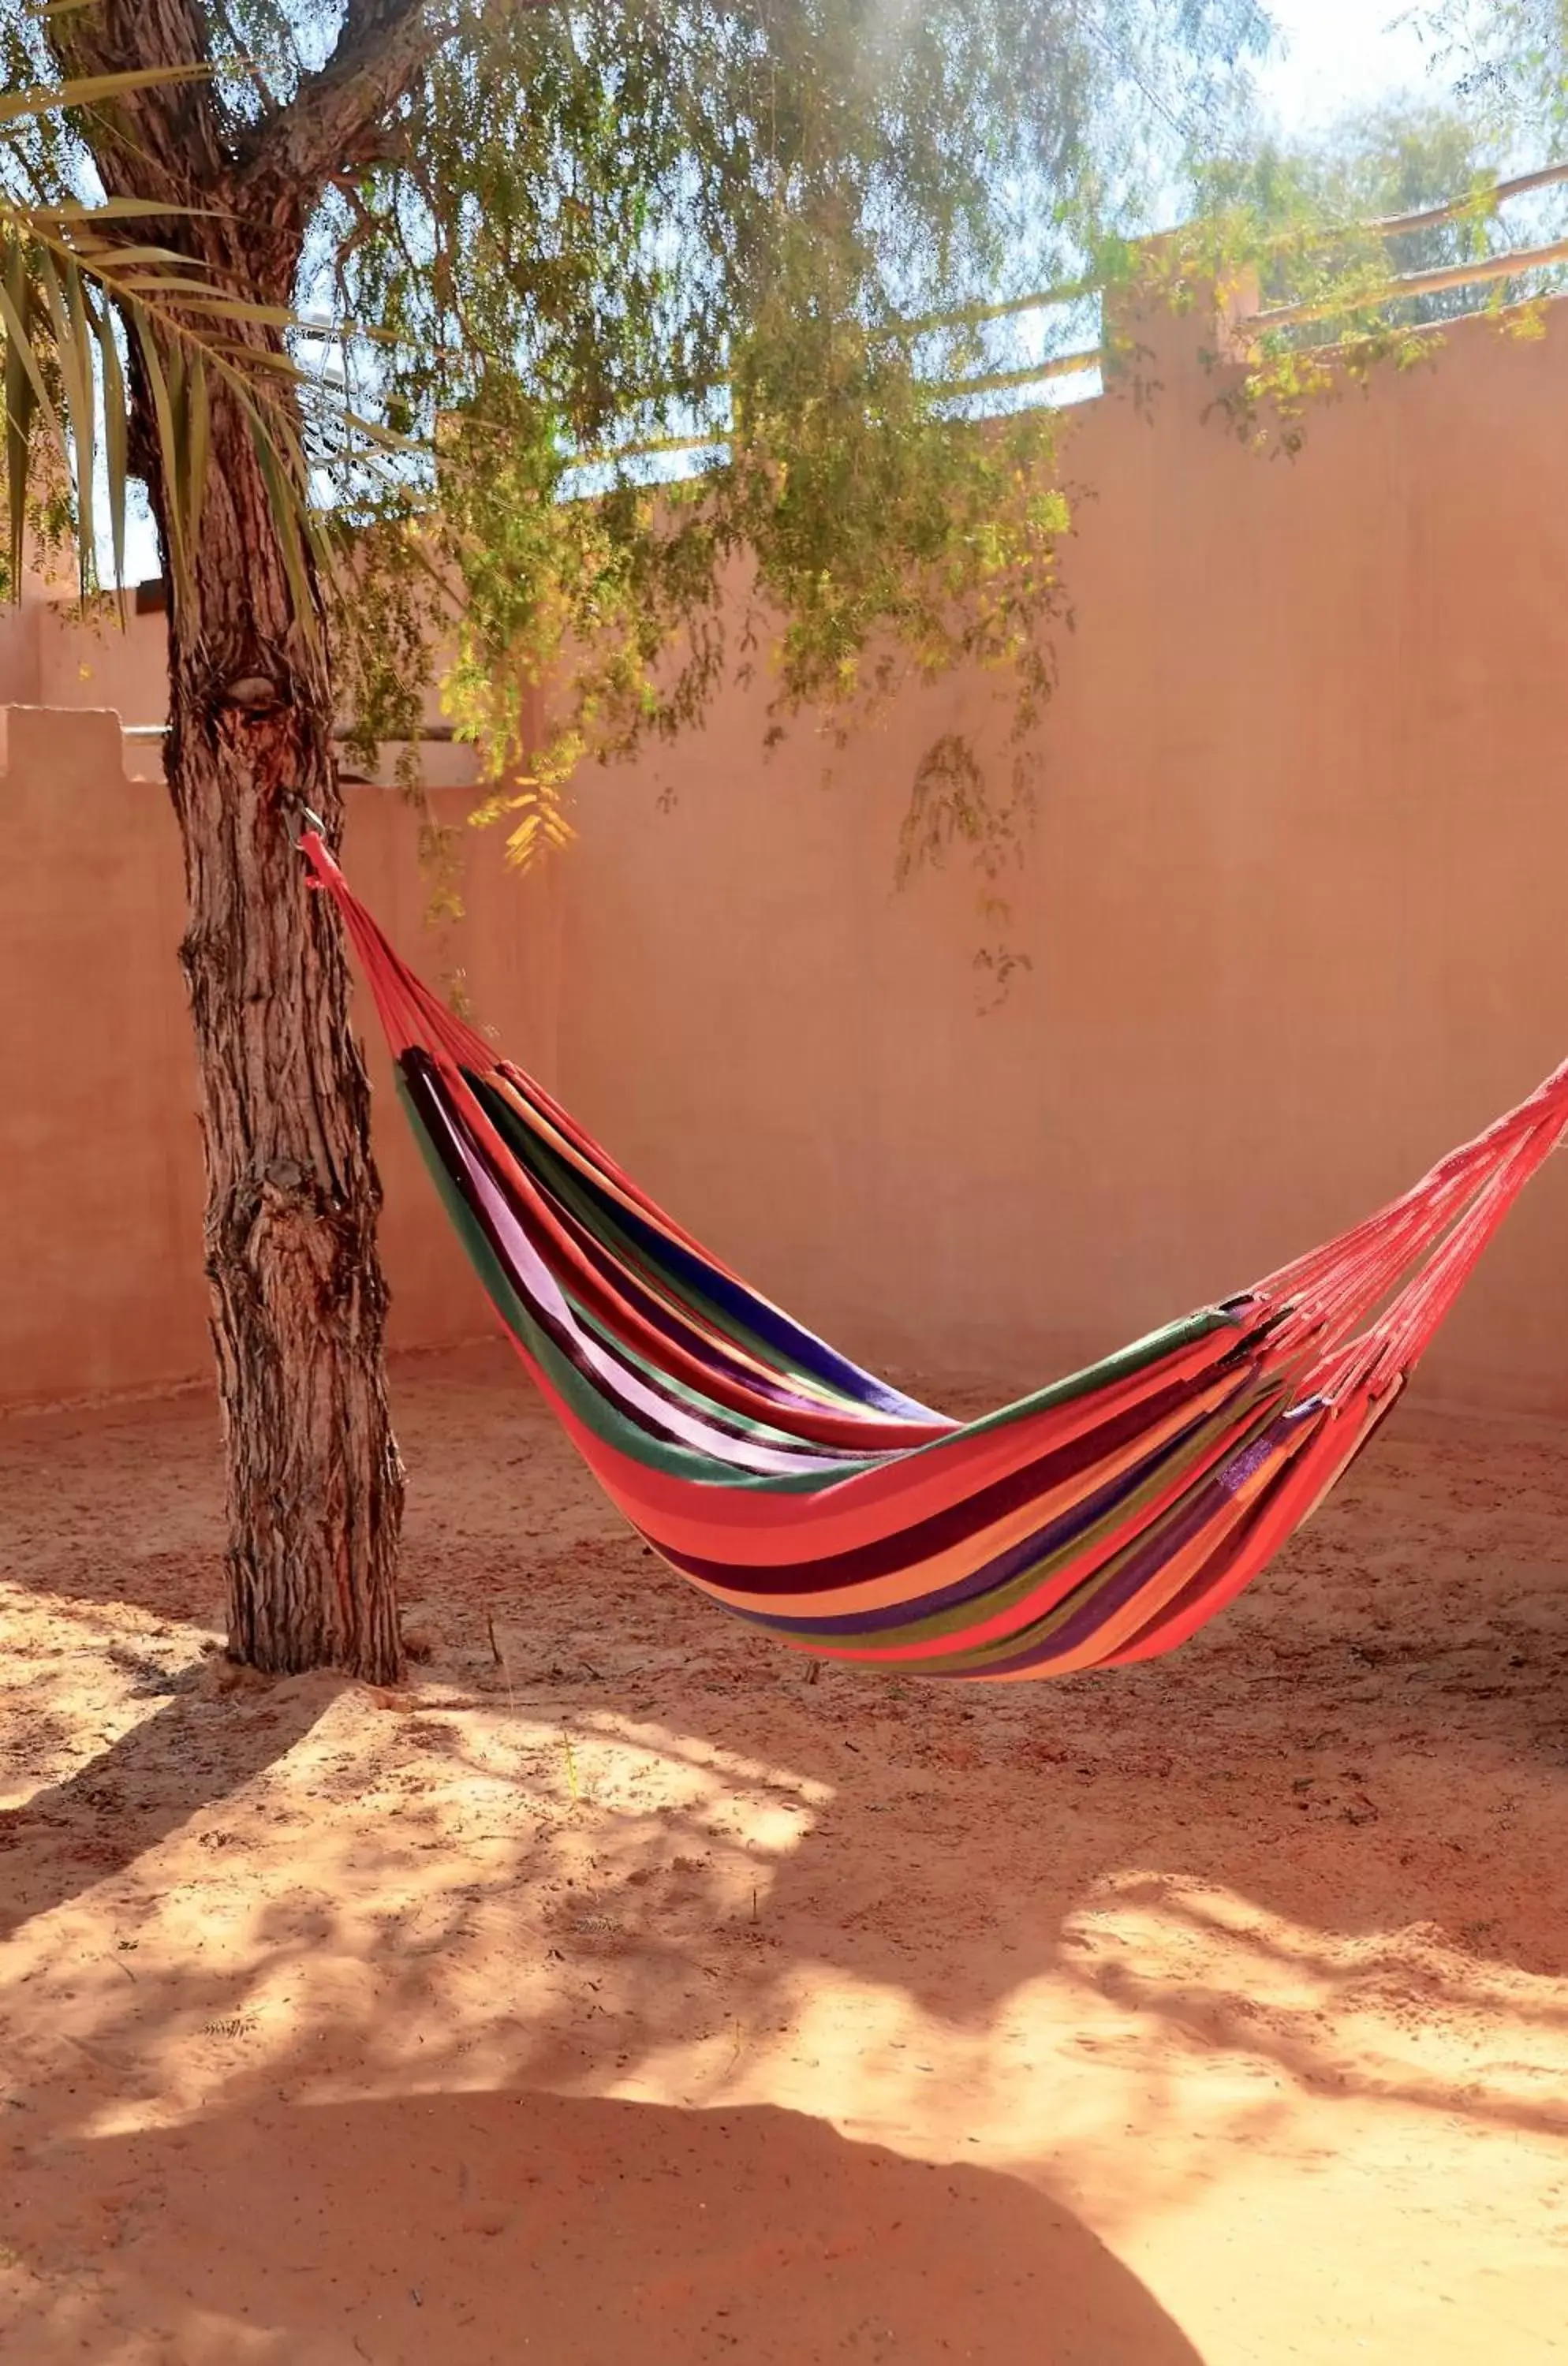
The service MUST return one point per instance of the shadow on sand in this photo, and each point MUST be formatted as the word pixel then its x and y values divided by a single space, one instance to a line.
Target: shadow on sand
pixel 508 2225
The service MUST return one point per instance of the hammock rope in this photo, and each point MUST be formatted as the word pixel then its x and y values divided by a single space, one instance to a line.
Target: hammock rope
pixel 1097 1522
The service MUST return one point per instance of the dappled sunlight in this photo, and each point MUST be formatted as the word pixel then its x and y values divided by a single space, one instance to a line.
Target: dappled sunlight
pixel 69 1695
pixel 1193 1975
pixel 1145 1981
pixel 461 1963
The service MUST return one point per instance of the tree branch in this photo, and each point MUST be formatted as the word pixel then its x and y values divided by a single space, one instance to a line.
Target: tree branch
pixel 337 121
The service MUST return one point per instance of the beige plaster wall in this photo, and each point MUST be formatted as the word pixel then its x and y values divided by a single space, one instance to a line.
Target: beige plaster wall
pixel 101 1284
pixel 1293 907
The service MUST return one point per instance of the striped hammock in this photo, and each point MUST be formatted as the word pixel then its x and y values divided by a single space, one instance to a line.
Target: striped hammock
pixel 1099 1521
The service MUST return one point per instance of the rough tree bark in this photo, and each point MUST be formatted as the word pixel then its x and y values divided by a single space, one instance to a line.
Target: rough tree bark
pixel 297 1296
pixel 297 1299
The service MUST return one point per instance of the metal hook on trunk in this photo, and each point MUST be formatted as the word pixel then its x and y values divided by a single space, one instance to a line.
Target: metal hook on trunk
pixel 298 818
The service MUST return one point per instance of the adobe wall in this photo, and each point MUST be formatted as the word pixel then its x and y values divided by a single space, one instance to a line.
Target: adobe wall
pixel 1295 906
pixel 1294 909
pixel 101 1285
pixel 50 655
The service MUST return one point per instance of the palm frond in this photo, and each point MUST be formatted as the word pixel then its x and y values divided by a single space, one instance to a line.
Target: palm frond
pixel 75 280
pixel 89 90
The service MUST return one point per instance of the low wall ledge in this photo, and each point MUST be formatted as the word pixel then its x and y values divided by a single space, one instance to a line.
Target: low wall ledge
pixel 36 739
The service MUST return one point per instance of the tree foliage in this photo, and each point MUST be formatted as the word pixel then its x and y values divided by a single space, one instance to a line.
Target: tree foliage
pixel 635 338
pixel 1506 60
pixel 767 234
pixel 631 228
pixel 1361 244
pixel 1318 205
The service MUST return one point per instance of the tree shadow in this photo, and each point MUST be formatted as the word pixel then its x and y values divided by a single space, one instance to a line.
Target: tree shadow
pixel 516 2223
pixel 1339 1755
pixel 1230 2008
pixel 198 1749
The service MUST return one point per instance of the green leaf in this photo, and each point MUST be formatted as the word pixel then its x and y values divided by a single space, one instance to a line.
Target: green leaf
pixel 170 453
pixel 199 437
pixel 286 509
pixel 91 90
pixel 116 425
pixel 77 213
pixel 74 355
pixel 21 403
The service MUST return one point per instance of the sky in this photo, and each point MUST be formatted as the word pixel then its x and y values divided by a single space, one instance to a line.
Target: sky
pixel 1340 54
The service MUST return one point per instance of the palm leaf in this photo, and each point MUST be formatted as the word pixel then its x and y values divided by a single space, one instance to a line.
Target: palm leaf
pixel 74 354
pixel 117 421
pixel 90 90
pixel 66 268
pixel 168 444
pixel 21 403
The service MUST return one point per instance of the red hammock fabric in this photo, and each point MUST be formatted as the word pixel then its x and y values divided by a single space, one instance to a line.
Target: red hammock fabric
pixel 1099 1521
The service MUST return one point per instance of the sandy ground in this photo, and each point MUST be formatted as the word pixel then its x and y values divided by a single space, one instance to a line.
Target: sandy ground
pixel 638 1998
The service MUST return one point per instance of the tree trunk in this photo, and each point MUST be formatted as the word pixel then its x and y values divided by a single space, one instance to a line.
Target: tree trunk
pixel 315 1487
pixel 298 1301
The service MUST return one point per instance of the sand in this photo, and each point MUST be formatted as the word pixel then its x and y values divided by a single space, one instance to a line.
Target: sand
pixel 631 1996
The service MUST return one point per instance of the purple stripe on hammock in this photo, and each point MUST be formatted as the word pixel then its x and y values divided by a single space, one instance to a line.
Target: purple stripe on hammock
pixel 886 1555
pixel 539 1289
pixel 1215 1498
pixel 776 1329
pixel 992 1575
pixel 768 1383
